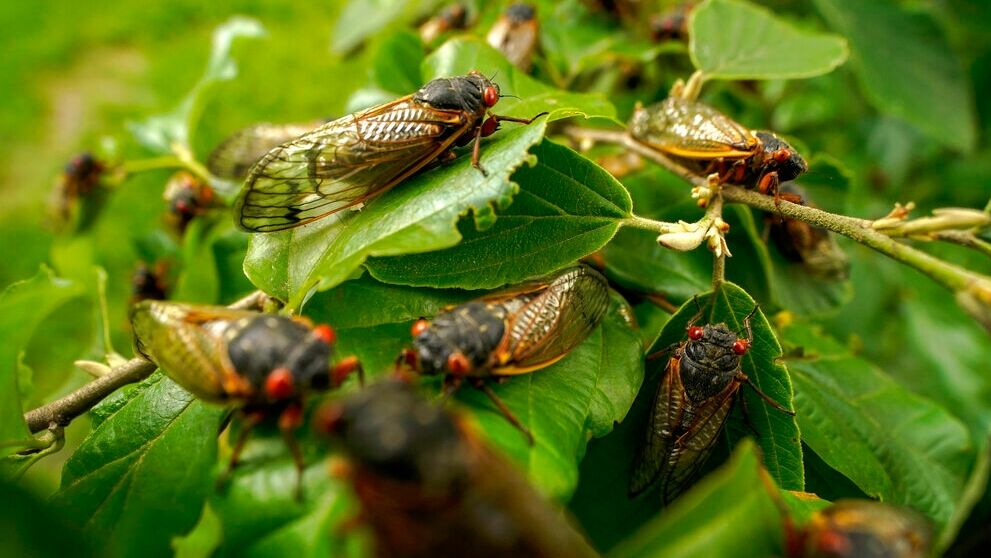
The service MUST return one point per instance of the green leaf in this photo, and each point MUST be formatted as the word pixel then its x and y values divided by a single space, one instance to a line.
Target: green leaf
pixel 32 527
pixel 159 133
pixel 731 39
pixel 362 18
pixel 581 395
pixel 907 67
pixel 141 477
pixel 893 444
pixel 203 540
pixel 23 306
pixel 729 513
pixel 567 208
pixel 778 433
pixel 396 63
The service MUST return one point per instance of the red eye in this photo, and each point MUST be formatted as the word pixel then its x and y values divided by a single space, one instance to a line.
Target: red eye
pixel 279 384
pixel 781 155
pixel 695 333
pixel 419 327
pixel 325 333
pixel 490 96
pixel 741 346
pixel 458 364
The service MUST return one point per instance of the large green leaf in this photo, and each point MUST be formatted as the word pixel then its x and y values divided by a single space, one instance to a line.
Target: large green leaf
pixel 730 513
pixel 732 39
pixel 30 527
pixel 159 133
pixel 581 395
pixel 141 477
pixel 23 306
pixel 361 18
pixel 907 67
pixel 567 208
pixel 778 433
pixel 893 444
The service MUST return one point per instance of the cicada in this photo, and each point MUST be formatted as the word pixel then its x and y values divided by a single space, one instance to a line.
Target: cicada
pixel 149 282
pixel 80 180
pixel 812 247
pixel 672 25
pixel 428 486
pixel 262 363
pixel 861 529
pixel 235 156
pixel 515 34
pixel 512 332
pixel 707 142
pixel 188 197
pixel 451 18
pixel 693 400
pixel 347 162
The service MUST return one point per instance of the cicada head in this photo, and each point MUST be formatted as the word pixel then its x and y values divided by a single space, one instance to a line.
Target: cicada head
pixel 781 157
pixel 282 358
pixel 710 359
pixel 188 197
pixel 473 93
pixel 390 430
pixel 460 340
pixel 149 282
pixel 865 529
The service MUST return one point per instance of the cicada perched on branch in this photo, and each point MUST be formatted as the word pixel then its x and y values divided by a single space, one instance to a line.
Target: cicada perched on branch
pixel 512 332
pixel 709 143
pixel 694 398
pixel 429 487
pixel 262 363
pixel 347 162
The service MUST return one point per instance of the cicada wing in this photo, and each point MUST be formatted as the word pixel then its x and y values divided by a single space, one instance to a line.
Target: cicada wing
pixel 187 343
pixel 691 130
pixel 665 417
pixel 233 158
pixel 555 321
pixel 344 163
pixel 695 439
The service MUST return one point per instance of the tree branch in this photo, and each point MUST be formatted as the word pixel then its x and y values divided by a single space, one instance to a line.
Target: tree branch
pixel 64 410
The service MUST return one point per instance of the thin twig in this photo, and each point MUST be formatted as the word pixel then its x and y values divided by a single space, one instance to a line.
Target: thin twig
pixel 64 410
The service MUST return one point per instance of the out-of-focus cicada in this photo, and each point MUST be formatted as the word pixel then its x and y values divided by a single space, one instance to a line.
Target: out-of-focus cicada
pixel 861 529
pixel 347 162
pixel 515 331
pixel 188 197
pixel 429 486
pixel 149 282
pixel 238 153
pixel 262 363
pixel 694 398
pixel 516 34
pixel 79 181
pixel 812 247
pixel 451 18
pixel 671 25
pixel 711 144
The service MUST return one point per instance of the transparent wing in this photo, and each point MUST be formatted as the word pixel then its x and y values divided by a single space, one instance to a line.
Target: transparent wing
pixel 692 130
pixel 233 158
pixel 555 321
pixel 343 163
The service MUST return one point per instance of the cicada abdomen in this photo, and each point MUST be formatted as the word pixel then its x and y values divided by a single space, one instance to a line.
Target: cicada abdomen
pixel 347 162
pixel 695 396
pixel 261 363
pixel 707 142
pixel 428 486
pixel 512 332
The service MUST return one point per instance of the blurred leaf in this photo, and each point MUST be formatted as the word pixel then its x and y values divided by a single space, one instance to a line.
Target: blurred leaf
pixel 777 433
pixel 907 67
pixel 362 18
pixel 203 540
pixel 159 133
pixel 731 39
pixel 33 528
pixel 566 208
pixel 893 444
pixel 729 513
pixel 396 63
pixel 23 306
pixel 141 477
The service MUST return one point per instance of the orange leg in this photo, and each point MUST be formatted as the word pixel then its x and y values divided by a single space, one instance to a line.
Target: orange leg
pixel 350 365
pixel 249 421
pixel 506 412
pixel 290 419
